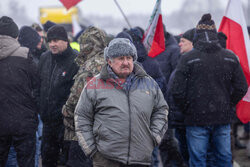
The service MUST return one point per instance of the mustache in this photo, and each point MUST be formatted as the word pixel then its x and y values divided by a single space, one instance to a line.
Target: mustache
pixel 125 66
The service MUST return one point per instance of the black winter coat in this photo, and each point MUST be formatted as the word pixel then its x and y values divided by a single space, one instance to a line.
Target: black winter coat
pixel 19 85
pixel 208 83
pixel 36 54
pixel 56 74
pixel 175 116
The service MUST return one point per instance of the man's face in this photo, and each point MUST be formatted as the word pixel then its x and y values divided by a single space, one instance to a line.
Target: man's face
pixel 41 35
pixel 122 66
pixel 185 45
pixel 39 45
pixel 57 46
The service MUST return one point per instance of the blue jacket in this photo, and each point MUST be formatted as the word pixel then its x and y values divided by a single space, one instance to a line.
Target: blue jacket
pixel 150 65
pixel 169 58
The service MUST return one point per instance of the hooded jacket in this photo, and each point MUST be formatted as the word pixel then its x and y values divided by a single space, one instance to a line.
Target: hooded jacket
pixel 90 64
pixel 18 89
pixel 208 83
pixel 122 125
pixel 56 73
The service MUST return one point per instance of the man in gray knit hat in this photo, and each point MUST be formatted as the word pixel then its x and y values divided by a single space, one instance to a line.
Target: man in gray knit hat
pixel 121 114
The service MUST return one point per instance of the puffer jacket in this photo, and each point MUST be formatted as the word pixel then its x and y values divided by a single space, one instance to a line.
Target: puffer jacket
pixel 19 85
pixel 124 127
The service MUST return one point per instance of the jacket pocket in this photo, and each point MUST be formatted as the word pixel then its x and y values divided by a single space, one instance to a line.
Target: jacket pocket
pixel 96 131
pixel 154 139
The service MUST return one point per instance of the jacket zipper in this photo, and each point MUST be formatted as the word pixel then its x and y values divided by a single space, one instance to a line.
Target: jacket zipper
pixel 50 81
pixel 129 137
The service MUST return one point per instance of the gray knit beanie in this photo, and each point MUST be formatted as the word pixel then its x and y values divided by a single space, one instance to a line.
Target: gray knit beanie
pixel 120 47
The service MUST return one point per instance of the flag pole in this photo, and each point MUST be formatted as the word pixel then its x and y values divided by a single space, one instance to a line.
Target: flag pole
pixel 126 19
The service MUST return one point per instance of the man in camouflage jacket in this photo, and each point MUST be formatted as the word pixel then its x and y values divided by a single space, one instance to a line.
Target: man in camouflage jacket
pixel 90 61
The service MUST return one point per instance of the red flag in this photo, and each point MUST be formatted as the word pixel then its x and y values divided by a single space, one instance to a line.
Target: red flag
pixel 154 40
pixel 233 24
pixel 69 3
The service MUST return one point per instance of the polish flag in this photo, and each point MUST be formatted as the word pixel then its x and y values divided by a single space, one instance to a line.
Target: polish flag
pixel 69 3
pixel 153 38
pixel 233 24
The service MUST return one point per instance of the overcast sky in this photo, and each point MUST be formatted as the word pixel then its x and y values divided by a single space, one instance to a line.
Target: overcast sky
pixel 97 7
pixel 100 7
pixel 27 11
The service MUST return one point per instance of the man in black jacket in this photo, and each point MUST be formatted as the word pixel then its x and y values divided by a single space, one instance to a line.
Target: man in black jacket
pixel 208 82
pixel 18 88
pixel 57 69
pixel 30 38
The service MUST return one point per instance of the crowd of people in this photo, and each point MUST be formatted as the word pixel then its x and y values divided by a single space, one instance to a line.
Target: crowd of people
pixel 101 101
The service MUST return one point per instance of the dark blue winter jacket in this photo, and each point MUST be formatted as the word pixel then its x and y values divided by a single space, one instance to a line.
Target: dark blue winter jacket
pixel 169 58
pixel 150 65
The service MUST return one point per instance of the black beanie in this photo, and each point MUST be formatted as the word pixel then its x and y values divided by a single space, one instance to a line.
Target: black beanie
pixel 189 34
pixel 206 30
pixel 8 27
pixel 57 32
pixel 47 25
pixel 206 24
pixel 28 37
pixel 124 34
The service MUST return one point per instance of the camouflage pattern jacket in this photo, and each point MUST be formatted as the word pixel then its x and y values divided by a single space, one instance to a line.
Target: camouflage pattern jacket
pixel 90 60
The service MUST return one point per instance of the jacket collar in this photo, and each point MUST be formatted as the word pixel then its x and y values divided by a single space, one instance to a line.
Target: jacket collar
pixel 138 72
pixel 10 46
pixel 59 57
pixel 207 42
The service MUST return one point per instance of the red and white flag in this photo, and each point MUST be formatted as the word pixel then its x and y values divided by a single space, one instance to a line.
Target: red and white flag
pixel 233 24
pixel 69 3
pixel 153 38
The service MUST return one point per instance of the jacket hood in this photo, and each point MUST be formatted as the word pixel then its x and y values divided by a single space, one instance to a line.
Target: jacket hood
pixel 207 42
pixel 10 47
pixel 94 64
pixel 92 41
pixel 169 39
pixel 136 34
pixel 138 71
